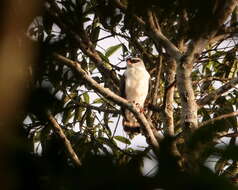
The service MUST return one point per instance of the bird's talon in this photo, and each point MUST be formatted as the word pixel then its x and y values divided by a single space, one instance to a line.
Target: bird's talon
pixel 141 109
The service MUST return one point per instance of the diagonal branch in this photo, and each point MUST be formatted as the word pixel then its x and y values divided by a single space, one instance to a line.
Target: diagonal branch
pixel 154 31
pixel 123 8
pixel 99 109
pixel 235 134
pixel 232 114
pixel 159 38
pixel 57 129
pixel 211 28
pixel 217 93
pixel 107 93
pixel 85 44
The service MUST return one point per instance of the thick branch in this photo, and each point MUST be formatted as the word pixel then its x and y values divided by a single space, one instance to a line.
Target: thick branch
pixel 217 93
pixel 155 90
pixel 110 95
pixel 185 65
pixel 212 27
pixel 185 89
pixel 159 38
pixel 169 98
pixel 219 118
pixel 68 146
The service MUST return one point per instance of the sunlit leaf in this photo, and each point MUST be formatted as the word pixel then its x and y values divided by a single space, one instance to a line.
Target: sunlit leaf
pixel 98 101
pixel 111 50
pixel 67 115
pixel 122 139
pixel 86 97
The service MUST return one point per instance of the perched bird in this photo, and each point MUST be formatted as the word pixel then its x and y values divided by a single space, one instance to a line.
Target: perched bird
pixel 134 88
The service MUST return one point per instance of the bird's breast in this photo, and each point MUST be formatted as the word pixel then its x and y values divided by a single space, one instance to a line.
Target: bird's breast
pixel 137 85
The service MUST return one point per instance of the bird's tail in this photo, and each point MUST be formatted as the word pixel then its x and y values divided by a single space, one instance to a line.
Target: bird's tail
pixel 130 124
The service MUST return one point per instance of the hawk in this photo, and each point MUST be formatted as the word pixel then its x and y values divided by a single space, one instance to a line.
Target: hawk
pixel 134 88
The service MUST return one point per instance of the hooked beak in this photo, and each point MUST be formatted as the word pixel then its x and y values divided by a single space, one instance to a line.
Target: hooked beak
pixel 128 61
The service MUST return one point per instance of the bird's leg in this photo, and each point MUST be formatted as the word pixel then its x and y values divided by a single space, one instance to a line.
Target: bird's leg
pixel 141 109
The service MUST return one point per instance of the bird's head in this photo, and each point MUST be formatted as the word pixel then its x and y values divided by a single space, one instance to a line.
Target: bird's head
pixel 134 62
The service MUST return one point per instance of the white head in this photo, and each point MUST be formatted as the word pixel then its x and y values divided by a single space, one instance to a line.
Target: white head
pixel 134 62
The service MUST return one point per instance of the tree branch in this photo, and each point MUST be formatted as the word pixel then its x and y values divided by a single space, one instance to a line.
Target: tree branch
pixel 217 93
pixel 211 28
pixel 99 109
pixel 154 31
pixel 57 129
pixel 123 8
pixel 185 64
pixel 235 134
pixel 110 95
pixel 232 114
pixel 159 38
pixel 86 46
pixel 155 89
pixel 186 93
pixel 169 98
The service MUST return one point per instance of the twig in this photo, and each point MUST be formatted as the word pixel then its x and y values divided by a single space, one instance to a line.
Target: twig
pixel 57 129
pixel 160 39
pixel 99 109
pixel 123 8
pixel 217 93
pixel 155 89
pixel 232 114
pixel 230 135
pixel 211 79
pixel 107 93
pixel 85 45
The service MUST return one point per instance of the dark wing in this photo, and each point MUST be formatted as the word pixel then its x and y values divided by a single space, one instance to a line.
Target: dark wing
pixel 149 100
pixel 122 87
pixel 123 91
pixel 150 88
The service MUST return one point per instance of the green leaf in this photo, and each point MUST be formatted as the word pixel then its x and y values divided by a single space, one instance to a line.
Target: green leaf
pixel 89 118
pixel 122 139
pixel 86 97
pixel 98 101
pixel 108 142
pixel 112 50
pixel 104 58
pixel 95 33
pixel 67 115
pixel 78 114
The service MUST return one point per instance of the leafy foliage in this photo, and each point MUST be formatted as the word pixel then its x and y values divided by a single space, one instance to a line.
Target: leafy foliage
pixel 94 33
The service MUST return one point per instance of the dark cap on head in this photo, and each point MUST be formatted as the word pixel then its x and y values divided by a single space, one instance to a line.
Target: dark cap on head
pixel 133 60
